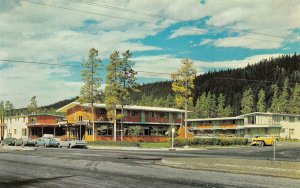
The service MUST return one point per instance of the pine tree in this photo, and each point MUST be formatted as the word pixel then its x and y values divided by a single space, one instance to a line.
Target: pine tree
pixel 90 91
pixel 183 85
pixel 275 100
pixel 33 107
pixel 295 100
pixel 247 102
pixel 9 108
pixel 213 106
pixel 169 102
pixel 128 84
pixel 284 98
pixel 200 106
pixel 221 105
pixel 112 88
pixel 227 112
pixel 261 103
pixel 206 106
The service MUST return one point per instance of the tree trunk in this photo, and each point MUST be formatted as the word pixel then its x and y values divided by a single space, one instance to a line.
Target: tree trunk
pixel 115 125
pixel 93 121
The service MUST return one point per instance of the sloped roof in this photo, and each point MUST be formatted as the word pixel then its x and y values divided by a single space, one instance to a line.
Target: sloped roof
pixel 126 107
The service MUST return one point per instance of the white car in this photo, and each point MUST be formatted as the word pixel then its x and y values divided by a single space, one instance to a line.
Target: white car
pixel 72 143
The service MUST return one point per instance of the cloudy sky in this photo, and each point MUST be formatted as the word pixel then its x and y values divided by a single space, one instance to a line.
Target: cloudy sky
pixel 215 34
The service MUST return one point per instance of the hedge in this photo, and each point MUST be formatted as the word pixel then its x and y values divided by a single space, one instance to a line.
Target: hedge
pixel 113 143
pixel 223 141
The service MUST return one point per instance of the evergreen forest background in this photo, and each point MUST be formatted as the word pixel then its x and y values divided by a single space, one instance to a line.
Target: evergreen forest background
pixel 270 85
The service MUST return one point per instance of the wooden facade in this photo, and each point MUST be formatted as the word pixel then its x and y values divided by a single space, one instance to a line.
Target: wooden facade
pixel 154 122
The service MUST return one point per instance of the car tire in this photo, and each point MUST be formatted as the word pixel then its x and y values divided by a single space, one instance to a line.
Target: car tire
pixel 261 143
pixel 36 145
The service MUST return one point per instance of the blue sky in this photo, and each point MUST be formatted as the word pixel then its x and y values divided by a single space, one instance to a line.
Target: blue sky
pixel 214 34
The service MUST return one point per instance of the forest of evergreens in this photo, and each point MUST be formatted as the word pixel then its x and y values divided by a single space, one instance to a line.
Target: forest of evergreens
pixel 220 93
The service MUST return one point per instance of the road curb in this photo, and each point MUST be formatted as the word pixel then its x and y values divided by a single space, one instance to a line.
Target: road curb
pixel 276 170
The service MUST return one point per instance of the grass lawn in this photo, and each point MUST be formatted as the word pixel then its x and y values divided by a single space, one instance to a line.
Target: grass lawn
pixel 155 144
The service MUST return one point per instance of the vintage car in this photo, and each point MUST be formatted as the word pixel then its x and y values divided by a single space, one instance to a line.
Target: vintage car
pixel 72 143
pixel 47 142
pixel 262 141
pixel 8 141
pixel 24 142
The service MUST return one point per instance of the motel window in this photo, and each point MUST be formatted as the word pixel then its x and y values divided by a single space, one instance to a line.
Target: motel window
pixel 15 131
pixel 80 118
pixel 133 113
pixel 24 132
pixel 283 130
pixel 179 116
pixel 163 114
pixel 292 119
pixel 33 120
pixel 23 119
pixel 152 114
pixel 125 113
pixel 284 118
pixel 89 131
pixel 147 131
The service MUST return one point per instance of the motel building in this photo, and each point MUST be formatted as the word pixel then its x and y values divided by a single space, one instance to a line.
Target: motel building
pixel 154 121
pixel 31 126
pixel 248 125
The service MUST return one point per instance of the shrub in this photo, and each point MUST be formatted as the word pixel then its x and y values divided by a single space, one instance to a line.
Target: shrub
pixel 210 141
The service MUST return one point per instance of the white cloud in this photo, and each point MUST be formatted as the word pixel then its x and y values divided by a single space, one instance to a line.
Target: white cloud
pixel 187 31
pixel 204 42
pixel 250 41
pixel 251 20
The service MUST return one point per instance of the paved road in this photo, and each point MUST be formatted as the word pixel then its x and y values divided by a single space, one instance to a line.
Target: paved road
pixel 53 167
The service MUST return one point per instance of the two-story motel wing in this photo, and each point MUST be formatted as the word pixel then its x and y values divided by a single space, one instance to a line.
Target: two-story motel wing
pixel 249 125
pixel 34 125
pixel 154 121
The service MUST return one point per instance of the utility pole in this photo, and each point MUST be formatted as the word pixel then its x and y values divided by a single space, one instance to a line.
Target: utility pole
pixel 93 121
pixel 185 109
pixel 115 108
pixel 274 146
pixel 173 131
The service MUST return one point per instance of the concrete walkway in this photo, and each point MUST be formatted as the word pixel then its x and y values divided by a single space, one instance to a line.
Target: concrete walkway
pixel 240 166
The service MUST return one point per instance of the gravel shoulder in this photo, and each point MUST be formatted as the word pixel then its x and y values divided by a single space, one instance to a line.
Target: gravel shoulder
pixel 244 166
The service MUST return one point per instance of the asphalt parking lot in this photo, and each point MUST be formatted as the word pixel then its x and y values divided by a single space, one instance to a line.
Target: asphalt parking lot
pixel 56 167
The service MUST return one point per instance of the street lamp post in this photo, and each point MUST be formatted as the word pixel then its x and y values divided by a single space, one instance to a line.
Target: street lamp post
pixel 173 131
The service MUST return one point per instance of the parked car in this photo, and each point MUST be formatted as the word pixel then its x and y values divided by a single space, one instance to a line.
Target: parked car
pixel 24 142
pixel 262 141
pixel 72 143
pixel 8 141
pixel 47 142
